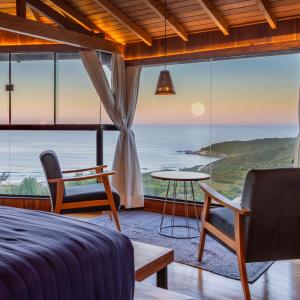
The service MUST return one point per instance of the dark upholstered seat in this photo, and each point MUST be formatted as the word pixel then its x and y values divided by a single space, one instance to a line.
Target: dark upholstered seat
pixel 223 219
pixel 89 192
pixel 264 227
pixel 91 196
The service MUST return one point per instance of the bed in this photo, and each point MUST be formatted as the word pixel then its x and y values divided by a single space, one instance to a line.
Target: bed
pixel 46 256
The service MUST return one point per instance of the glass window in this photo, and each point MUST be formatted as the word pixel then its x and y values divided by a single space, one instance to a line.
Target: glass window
pixel 110 139
pixel 254 109
pixel 105 119
pixel 4 95
pixel 170 129
pixel 226 118
pixel 33 79
pixel 22 164
pixel 77 100
pixel 106 63
pixel 4 161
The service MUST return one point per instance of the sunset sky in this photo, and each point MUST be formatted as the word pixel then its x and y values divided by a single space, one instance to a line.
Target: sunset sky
pixel 244 91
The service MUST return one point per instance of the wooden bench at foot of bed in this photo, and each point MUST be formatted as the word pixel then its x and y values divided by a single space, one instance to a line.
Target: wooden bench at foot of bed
pixel 145 291
pixel 150 259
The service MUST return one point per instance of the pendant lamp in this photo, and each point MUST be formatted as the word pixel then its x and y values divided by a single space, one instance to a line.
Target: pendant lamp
pixel 164 84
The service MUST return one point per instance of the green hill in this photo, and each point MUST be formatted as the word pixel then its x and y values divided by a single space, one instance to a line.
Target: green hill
pixel 228 173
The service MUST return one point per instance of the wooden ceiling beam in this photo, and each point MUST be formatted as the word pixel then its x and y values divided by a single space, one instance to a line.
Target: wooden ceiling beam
pixel 265 8
pixel 123 19
pixel 39 48
pixel 21 8
pixel 75 15
pixel 56 17
pixel 47 32
pixel 34 13
pixel 215 15
pixel 172 21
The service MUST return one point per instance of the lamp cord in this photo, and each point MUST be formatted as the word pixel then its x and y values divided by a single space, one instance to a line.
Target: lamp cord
pixel 210 117
pixel 165 8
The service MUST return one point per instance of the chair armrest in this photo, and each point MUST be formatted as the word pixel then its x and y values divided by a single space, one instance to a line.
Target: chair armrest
pixel 219 198
pixel 80 178
pixel 85 169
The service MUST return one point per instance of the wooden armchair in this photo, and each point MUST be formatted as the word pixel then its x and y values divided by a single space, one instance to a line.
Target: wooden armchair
pixel 64 198
pixel 264 227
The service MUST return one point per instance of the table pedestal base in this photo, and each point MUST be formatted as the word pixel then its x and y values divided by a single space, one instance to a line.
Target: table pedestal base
pixel 179 231
pixel 185 230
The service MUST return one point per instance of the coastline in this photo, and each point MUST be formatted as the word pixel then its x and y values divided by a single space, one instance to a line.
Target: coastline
pixel 207 153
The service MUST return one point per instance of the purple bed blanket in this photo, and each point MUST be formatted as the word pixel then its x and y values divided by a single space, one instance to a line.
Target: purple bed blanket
pixel 45 256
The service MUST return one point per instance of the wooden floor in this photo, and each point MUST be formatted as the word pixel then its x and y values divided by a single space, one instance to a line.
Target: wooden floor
pixel 280 282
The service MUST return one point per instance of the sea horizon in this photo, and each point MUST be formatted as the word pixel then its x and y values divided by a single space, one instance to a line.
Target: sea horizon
pixel 159 147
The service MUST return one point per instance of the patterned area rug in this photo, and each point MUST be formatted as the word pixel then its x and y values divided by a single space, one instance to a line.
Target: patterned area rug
pixel 142 226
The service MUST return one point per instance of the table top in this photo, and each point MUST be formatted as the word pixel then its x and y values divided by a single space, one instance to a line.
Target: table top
pixel 180 175
pixel 149 259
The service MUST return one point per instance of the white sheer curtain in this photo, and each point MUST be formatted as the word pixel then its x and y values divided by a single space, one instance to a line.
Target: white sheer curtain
pixel 297 151
pixel 120 104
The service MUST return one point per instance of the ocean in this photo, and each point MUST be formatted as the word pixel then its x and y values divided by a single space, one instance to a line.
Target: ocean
pixel 159 146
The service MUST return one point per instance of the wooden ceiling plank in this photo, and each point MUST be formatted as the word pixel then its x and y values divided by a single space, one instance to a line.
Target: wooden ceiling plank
pixel 265 8
pixel 47 32
pixel 121 17
pixel 255 38
pixel 215 15
pixel 56 17
pixel 172 21
pixel 21 8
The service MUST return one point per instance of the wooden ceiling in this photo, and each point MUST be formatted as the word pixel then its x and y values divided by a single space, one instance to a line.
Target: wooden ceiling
pixel 192 16
pixel 135 21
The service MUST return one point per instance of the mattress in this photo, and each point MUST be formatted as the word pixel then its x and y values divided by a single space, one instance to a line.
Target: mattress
pixel 46 256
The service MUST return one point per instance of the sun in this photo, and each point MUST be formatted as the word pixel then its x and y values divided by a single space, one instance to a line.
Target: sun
pixel 198 109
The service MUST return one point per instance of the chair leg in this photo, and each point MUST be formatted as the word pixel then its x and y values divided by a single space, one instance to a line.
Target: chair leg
pixel 115 216
pixel 112 202
pixel 201 243
pixel 110 216
pixel 243 274
pixel 205 214
pixel 240 253
pixel 59 197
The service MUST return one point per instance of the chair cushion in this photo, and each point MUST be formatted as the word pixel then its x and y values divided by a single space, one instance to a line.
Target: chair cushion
pixel 223 219
pixel 88 192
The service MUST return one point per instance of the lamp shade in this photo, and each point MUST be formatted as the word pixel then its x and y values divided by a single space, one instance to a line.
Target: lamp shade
pixel 165 84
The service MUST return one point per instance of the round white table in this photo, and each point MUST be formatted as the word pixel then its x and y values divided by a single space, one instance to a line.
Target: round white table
pixel 177 230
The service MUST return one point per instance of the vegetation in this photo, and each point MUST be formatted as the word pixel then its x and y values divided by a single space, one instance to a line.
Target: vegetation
pixel 4 176
pixel 31 186
pixel 228 173
pixel 157 188
pixel 28 186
